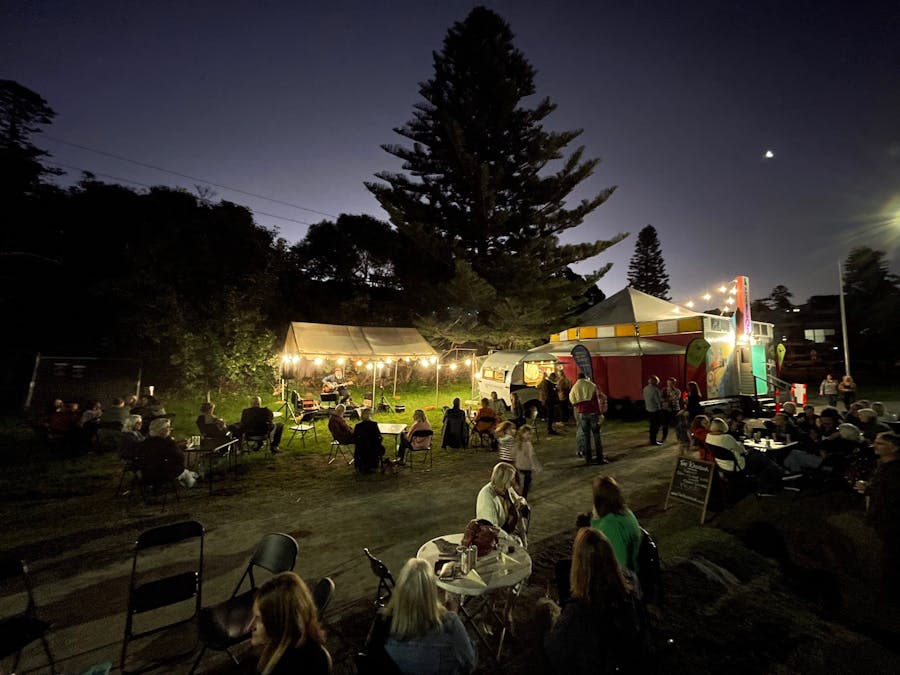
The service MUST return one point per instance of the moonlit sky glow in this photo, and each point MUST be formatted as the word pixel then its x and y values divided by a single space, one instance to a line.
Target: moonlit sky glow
pixel 291 101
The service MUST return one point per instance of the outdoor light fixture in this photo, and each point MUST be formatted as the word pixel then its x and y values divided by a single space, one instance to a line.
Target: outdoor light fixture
pixel 285 358
pixel 318 361
pixel 468 362
pixel 295 359
pixel 729 301
pixel 389 360
pixel 689 303
pixel 340 361
pixel 734 291
pixel 707 296
pixel 433 359
pixel 722 289
pixel 358 364
pixel 452 366
pixel 408 359
pixel 380 365
pixel 368 366
pixel 676 310
pixel 424 363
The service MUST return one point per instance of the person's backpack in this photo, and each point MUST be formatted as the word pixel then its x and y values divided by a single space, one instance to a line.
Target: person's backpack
pixel 649 569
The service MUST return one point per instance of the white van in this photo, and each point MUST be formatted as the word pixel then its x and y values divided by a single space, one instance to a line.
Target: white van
pixel 510 371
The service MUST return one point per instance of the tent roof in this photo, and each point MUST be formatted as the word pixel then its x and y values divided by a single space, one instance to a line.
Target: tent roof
pixel 614 346
pixel 632 306
pixel 325 339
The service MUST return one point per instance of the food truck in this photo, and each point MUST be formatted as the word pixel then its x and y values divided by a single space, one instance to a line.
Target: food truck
pixel 519 372
pixel 632 335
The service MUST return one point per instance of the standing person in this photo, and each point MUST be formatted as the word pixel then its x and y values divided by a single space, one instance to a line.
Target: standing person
pixel 526 461
pixel 498 406
pixel 420 635
pixel 884 507
pixel 547 395
pixel 829 389
pixel 563 387
pixel 259 420
pixel 517 409
pixel 693 400
pixel 369 449
pixel 286 629
pixel 590 406
pixel 506 442
pixel 671 404
pixel 847 389
pixel 653 406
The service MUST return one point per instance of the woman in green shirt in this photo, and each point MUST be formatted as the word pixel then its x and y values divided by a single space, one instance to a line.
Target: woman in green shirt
pixel 614 519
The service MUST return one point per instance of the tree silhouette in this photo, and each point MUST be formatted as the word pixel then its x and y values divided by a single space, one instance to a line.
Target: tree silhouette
pixel 780 298
pixel 873 308
pixel 647 269
pixel 477 201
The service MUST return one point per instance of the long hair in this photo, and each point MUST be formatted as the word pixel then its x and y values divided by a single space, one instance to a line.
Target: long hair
pixel 289 616
pixel 607 496
pixel 503 476
pixel 419 416
pixel 414 606
pixel 596 577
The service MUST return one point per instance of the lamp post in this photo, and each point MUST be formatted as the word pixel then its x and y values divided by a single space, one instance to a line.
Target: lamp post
pixel 844 319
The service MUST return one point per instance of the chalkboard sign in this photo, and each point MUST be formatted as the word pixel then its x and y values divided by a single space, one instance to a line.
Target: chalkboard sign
pixel 691 483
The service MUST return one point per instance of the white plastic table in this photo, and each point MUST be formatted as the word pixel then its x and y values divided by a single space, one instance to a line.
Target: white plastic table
pixel 391 429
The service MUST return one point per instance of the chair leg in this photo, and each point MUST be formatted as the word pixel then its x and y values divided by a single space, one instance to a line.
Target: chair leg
pixel 197 661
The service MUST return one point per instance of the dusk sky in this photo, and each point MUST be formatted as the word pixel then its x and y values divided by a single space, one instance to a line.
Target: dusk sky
pixel 680 100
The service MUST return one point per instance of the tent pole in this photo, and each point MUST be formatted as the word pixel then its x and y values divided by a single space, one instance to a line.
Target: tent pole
pixel 396 365
pixel 437 383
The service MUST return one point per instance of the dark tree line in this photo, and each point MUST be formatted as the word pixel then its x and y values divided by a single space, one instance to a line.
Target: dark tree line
pixel 203 294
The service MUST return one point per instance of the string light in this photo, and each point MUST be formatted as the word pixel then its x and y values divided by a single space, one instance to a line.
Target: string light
pixel 722 289
pixel 707 296
pixel 468 362
pixel 340 361
pixel 358 364
pixel 318 361
pixel 690 303
pixel 368 366
pixel 452 366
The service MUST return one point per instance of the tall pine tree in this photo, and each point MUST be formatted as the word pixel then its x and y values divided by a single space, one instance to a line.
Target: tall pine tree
pixel 647 269
pixel 477 206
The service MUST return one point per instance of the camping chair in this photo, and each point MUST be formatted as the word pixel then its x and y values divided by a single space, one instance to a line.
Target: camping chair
pixel 305 423
pixel 229 623
pixel 456 432
pixel 483 428
pixel 421 433
pixel 258 439
pixel 322 593
pixel 148 595
pixel 20 630
pixel 385 580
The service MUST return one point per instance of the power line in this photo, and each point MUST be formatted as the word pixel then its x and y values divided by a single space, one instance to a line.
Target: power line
pixel 183 175
pixel 150 187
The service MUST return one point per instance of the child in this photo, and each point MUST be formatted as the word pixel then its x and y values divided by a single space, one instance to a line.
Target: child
pixel 506 442
pixel 526 461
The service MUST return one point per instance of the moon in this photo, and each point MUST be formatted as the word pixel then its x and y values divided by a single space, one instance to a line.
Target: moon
pixel 769 154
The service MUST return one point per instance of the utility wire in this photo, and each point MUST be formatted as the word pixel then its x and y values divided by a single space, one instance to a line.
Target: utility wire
pixel 183 175
pixel 150 187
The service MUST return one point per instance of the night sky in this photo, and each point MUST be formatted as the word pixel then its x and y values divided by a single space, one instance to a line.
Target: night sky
pixel 681 100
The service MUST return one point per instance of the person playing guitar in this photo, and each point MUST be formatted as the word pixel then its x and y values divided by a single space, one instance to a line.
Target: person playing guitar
pixel 335 383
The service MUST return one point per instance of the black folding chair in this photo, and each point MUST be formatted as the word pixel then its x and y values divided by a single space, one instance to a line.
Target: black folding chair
pixel 153 592
pixel 17 631
pixel 322 592
pixel 227 624
pixel 481 429
pixel 421 433
pixel 385 580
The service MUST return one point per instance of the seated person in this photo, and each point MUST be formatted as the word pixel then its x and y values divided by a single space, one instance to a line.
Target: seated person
pixel 213 427
pixel 456 427
pixel 736 423
pixel 498 503
pixel 615 520
pixel 336 384
pixel 409 440
pixel 754 462
pixel 161 459
pixel 417 632
pixel 881 413
pixel 870 425
pixel 129 437
pixel 337 425
pixel 485 420
pixel 114 416
pixel 807 423
pixel 258 420
pixel 498 406
pixel 698 431
pixel 790 410
pixel 369 450
pixel 604 627
pixel 286 628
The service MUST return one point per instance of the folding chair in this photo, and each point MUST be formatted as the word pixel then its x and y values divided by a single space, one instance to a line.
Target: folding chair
pixel 229 623
pixel 256 440
pixel 305 423
pixel 227 450
pixel 20 630
pixel 148 595
pixel 322 592
pixel 385 580
pixel 421 433
pixel 338 447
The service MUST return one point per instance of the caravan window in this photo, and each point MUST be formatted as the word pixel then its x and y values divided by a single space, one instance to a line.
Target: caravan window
pixel 494 375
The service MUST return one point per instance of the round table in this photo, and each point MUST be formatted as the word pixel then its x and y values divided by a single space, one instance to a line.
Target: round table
pixel 498 569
